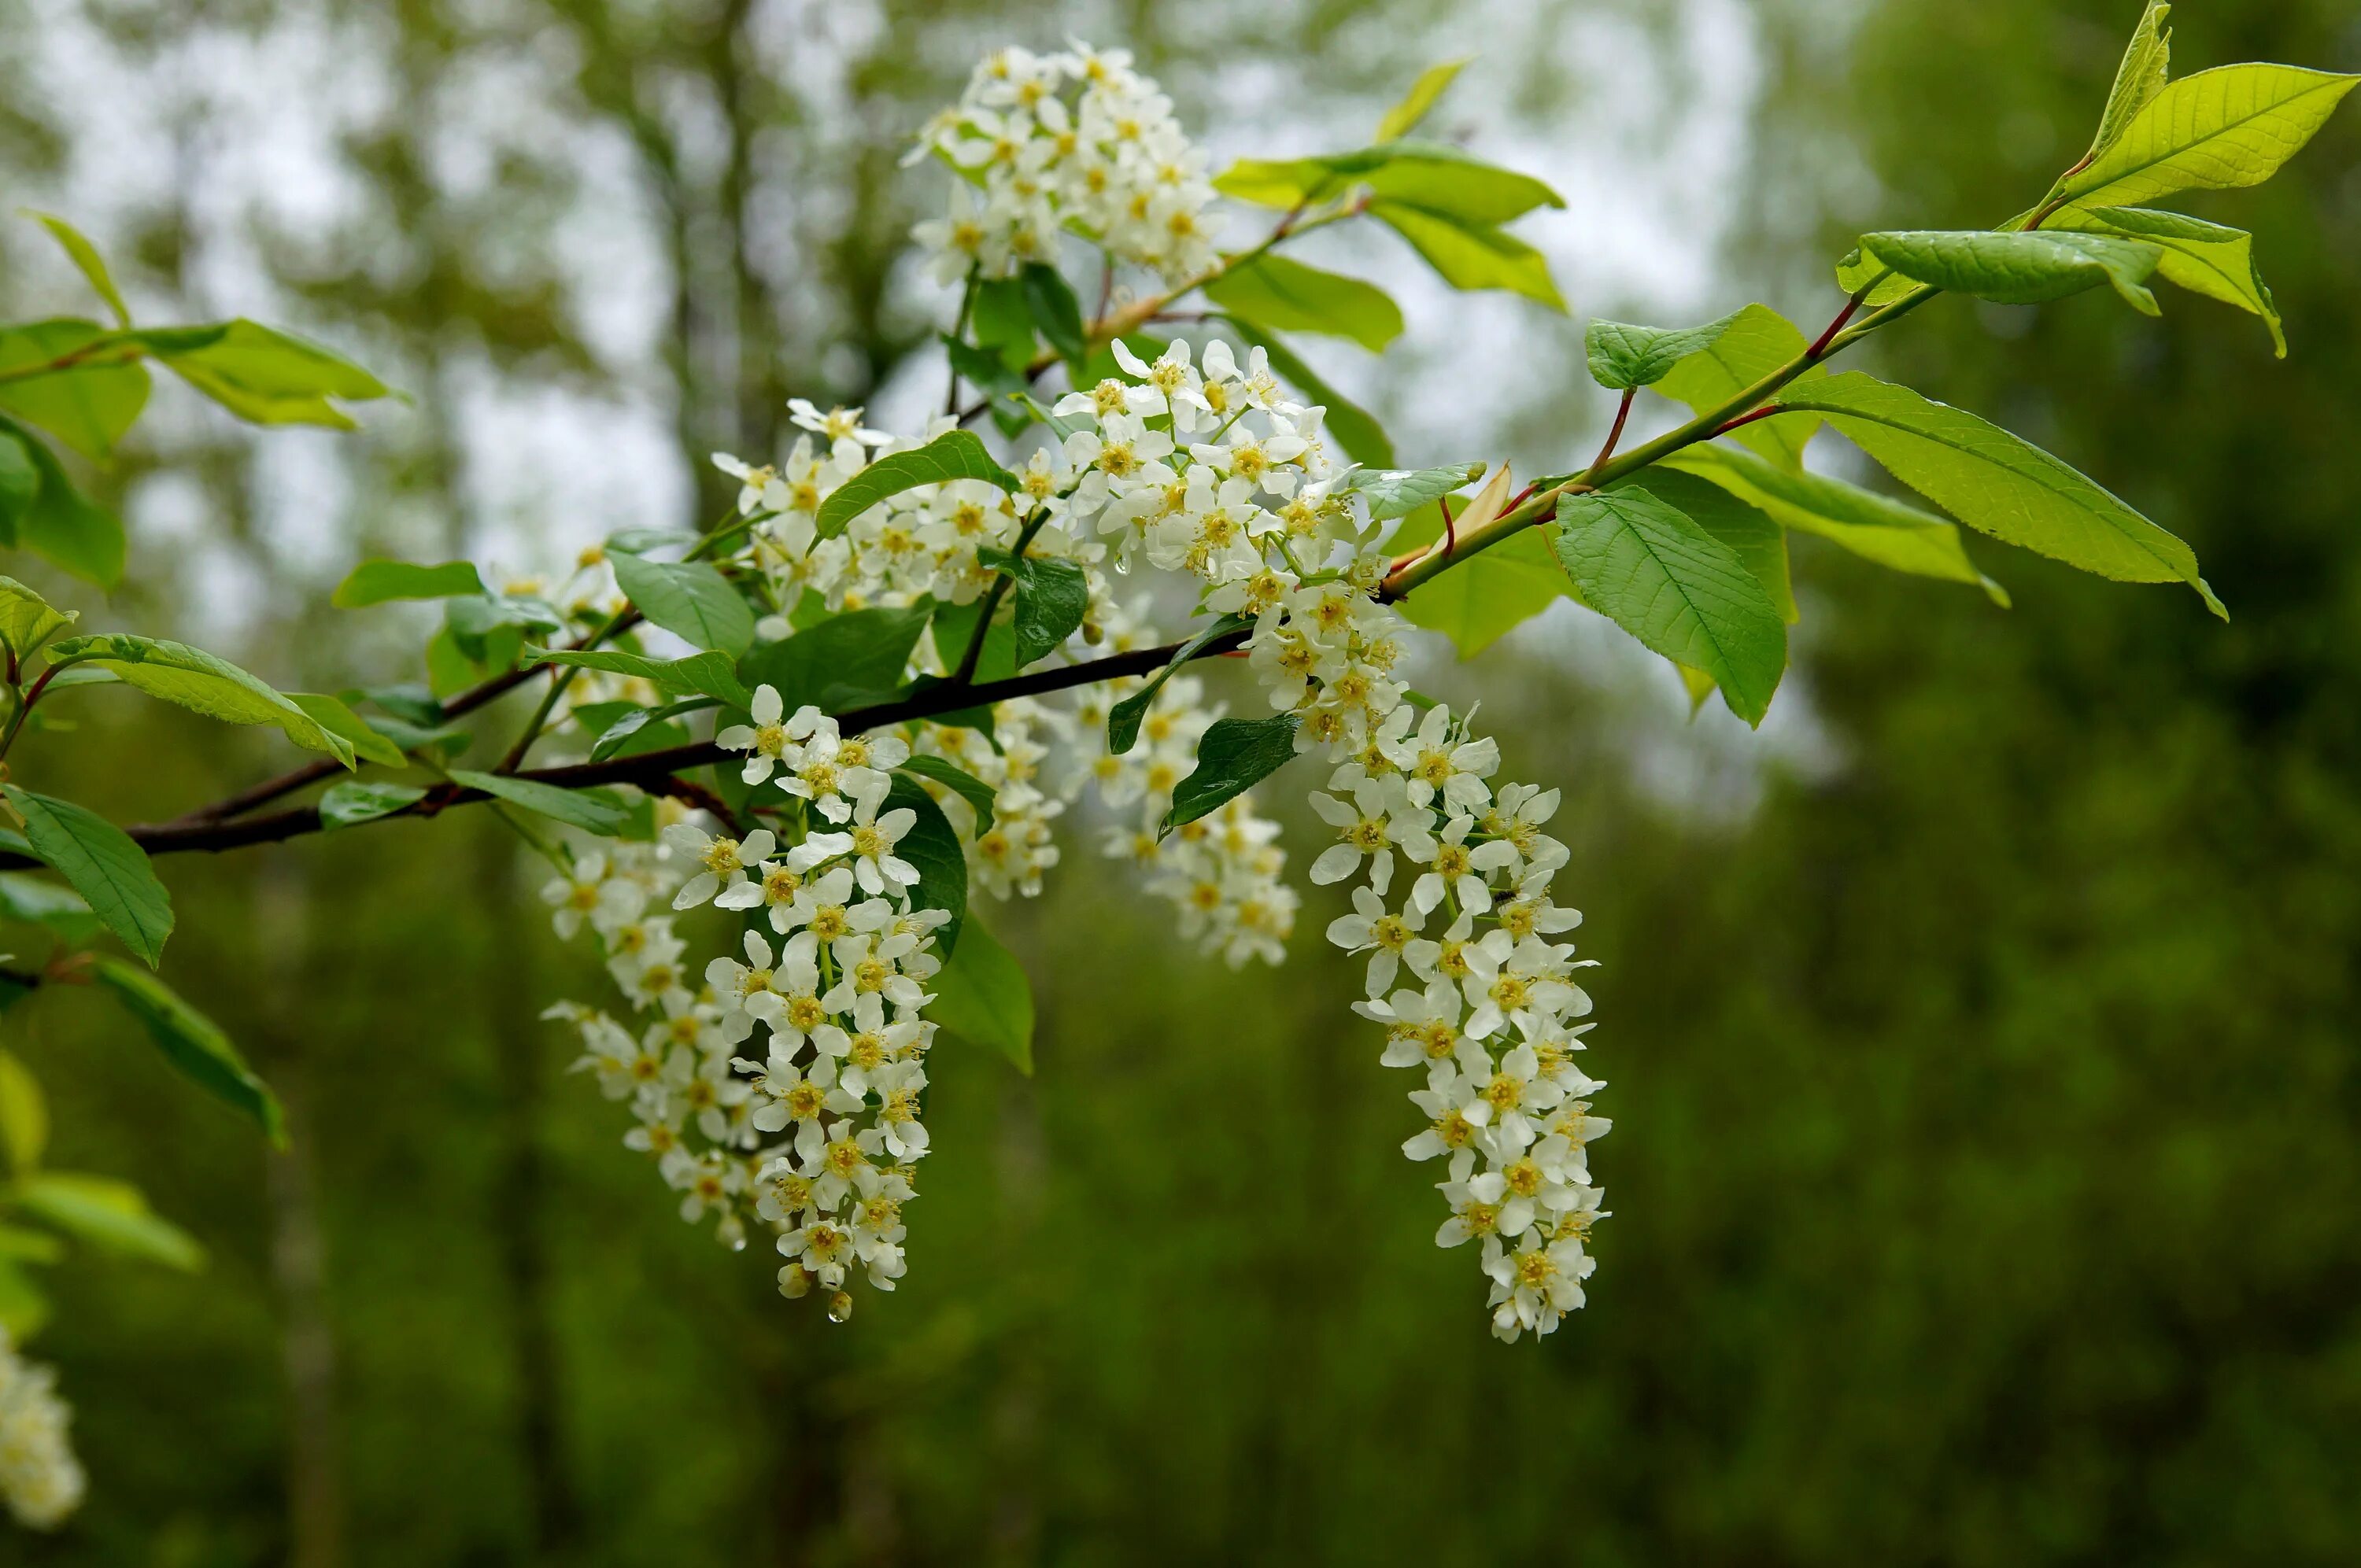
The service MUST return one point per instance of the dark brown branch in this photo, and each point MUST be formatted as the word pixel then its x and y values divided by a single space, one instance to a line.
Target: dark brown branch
pixel 657 771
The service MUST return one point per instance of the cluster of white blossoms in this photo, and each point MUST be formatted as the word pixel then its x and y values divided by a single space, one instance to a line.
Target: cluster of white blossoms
pixel 40 1480
pixel 811 1132
pixel 1075 140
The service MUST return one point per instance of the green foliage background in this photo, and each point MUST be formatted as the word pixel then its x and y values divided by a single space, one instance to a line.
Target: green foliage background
pixel 1986 1166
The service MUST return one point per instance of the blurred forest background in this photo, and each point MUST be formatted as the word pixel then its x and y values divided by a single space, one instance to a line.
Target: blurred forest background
pixel 1982 1033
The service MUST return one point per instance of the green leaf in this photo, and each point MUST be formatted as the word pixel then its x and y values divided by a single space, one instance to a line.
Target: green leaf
pixel 85 256
pixel 1896 535
pixel 331 714
pixel 61 525
pixel 1752 534
pixel 599 811
pixel 1999 484
pixel 1404 116
pixel 1052 597
pixel 87 406
pixel 1397 492
pixel 955 455
pixel 23 1115
pixel 2146 64
pixel 1659 575
pixel 376 582
pixel 983 997
pixel 974 790
pixel 194 1044
pixel 23 1307
pixel 1752 343
pixel 351 802
pixel 20 482
pixel 107 1213
pixel 2220 129
pixel 1232 756
pixel 933 848
pixel 1125 717
pixel 26 620
pixel 32 899
pixel 709 673
pixel 1356 429
pixel 265 376
pixel 1281 295
pixel 1471 256
pixel 1484 597
pixel 20 1245
pixel 690 599
pixel 2205 258
pixel 847 660
pixel 638 729
pixel 1443 180
pixel 102 864
pixel 1623 356
pixel 1003 322
pixel 1051 302
pixel 488 629
pixel 2023 268
pixel 202 683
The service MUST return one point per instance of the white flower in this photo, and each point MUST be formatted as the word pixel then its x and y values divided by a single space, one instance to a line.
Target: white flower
pixel 767 737
pixel 1372 926
pixel 1436 767
pixel 40 1479
pixel 722 861
pixel 870 844
pixel 591 892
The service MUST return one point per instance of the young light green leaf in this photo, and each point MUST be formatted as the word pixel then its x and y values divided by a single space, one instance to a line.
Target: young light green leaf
pixel 1444 181
pixel 331 714
pixel 933 850
pixel 1397 492
pixel 1896 535
pixel 599 811
pixel 194 1044
pixel 60 524
pixel 2022 269
pixel 265 376
pixel 2205 258
pixel 983 997
pixel 1123 719
pixel 1052 597
pixel 1283 295
pixel 974 790
pixel 351 802
pixel 847 660
pixel 1486 594
pixel 1232 756
pixel 376 582
pixel 1752 343
pixel 688 599
pixel 1623 356
pixel 102 864
pixel 23 1115
pixel 26 620
pixel 709 673
pixel 2220 130
pixel 202 683
pixel 1471 256
pixel 107 1213
pixel 650 726
pixel 1998 483
pixel 20 482
pixel 85 256
pixel 2146 67
pixel 23 1309
pixel 955 455
pixel 1404 116
pixel 1660 575
pixel 1750 532
pixel 1356 429
pixel 89 405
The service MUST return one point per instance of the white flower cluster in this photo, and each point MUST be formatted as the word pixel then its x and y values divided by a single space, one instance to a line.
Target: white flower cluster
pixel 1223 872
pixel 1076 141
pixel 818 1139
pixel 1006 857
pixel 40 1480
